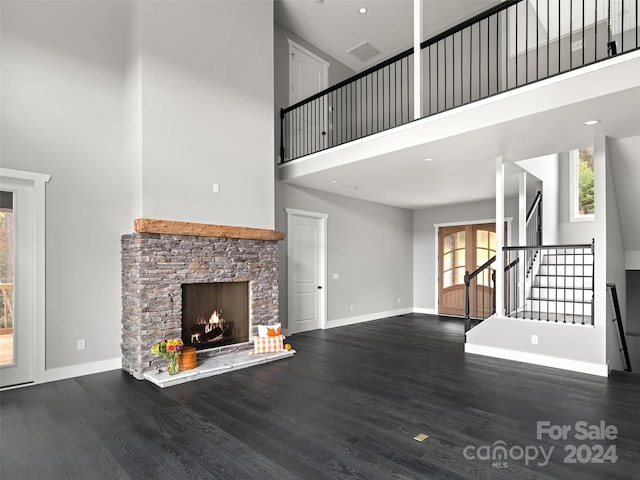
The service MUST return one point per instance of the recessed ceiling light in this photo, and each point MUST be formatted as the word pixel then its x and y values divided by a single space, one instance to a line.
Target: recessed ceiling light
pixel 590 123
pixel 428 159
pixel 362 10
pixel 352 187
pixel 335 181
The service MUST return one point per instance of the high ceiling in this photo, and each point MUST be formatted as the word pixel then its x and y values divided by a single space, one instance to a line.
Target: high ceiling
pixel 389 168
pixel 336 26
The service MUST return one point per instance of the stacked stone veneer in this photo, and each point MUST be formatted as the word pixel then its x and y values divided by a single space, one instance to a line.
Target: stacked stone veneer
pixel 154 267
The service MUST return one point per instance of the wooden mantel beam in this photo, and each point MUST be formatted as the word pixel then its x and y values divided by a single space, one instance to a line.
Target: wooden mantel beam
pixel 170 227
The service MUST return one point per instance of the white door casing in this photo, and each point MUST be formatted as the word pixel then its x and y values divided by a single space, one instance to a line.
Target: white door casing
pixel 29 287
pixel 306 270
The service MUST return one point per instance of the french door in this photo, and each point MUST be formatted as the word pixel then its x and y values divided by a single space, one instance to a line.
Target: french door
pixel 22 263
pixel 16 299
pixel 463 248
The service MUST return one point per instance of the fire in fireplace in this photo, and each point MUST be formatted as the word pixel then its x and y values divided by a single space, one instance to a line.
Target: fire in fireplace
pixel 215 314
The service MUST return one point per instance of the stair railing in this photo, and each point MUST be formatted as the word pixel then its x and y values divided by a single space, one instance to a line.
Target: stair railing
pixel 618 319
pixel 533 229
pixel 479 295
pixel 561 290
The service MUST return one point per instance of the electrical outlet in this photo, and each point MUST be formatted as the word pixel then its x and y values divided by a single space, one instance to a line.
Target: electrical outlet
pixel 81 344
pixel 534 339
pixel 336 276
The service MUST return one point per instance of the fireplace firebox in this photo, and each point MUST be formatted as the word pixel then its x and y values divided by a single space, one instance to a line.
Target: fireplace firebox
pixel 215 314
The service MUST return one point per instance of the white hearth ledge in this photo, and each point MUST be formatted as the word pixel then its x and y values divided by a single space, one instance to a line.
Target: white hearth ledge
pixel 209 367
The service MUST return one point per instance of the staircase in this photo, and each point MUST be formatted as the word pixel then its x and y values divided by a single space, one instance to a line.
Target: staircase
pixel 562 287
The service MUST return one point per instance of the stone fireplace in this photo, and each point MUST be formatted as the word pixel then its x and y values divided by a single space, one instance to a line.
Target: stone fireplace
pixel 207 269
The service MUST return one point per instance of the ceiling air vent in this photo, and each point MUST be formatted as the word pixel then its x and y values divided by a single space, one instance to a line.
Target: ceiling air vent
pixel 364 51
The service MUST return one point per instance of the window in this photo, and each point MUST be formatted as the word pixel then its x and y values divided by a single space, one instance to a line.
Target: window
pixel 582 185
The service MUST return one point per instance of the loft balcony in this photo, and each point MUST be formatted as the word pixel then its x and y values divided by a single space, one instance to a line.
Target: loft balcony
pixel 516 81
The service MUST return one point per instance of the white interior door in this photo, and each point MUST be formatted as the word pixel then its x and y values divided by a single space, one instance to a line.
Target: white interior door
pixel 306 248
pixel 17 312
pixel 308 75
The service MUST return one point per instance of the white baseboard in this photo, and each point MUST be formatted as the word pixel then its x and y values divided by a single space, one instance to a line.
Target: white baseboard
pixel 601 370
pixel 63 373
pixel 342 322
pixel 426 311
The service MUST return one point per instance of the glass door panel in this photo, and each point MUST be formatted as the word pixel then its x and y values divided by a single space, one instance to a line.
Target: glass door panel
pixel 6 278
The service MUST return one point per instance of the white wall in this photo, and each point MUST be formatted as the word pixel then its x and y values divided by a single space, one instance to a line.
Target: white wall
pixel 626 171
pixel 615 268
pixel 546 169
pixel 369 247
pixel 133 110
pixel 207 103
pixel 425 262
pixel 369 244
pixel 62 104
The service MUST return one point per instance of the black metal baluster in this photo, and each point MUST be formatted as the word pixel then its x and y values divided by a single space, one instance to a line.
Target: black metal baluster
pixel 570 34
pixel 498 53
pixel 548 42
pixel 526 44
pixel 453 70
pixel 608 25
pixel 506 51
pixel 622 29
pixel 437 77
pixel 488 56
pixel 595 33
pixel 395 97
pixel 351 112
pixel 537 43
pixel 516 54
pixel 559 37
pixel 584 47
pixel 471 63
pixel 479 60
pixel 429 80
pixel 462 67
pixel 378 101
pixel 408 92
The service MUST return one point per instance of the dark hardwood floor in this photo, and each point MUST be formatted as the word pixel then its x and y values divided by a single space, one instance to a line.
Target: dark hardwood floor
pixel 347 406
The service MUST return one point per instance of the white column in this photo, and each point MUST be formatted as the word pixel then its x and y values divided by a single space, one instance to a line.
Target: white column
pixel 417 59
pixel 499 289
pixel 522 237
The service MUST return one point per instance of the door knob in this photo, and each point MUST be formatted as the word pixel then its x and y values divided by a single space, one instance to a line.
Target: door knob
pixel 319 287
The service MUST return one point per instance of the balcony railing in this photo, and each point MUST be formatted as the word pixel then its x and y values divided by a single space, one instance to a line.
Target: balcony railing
pixel 513 44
